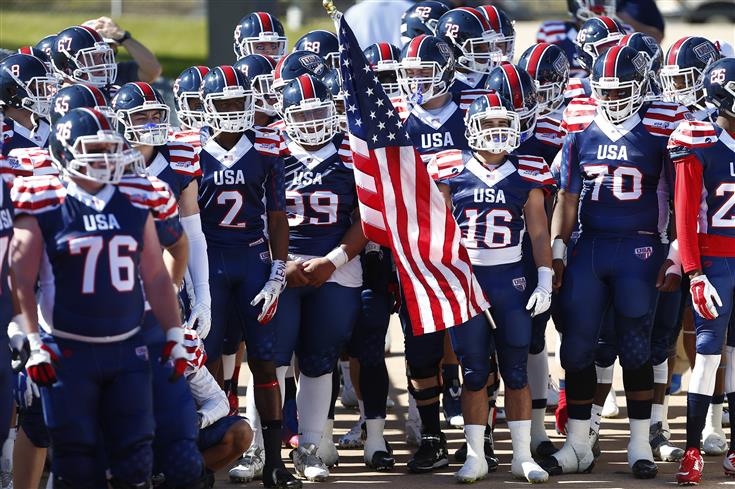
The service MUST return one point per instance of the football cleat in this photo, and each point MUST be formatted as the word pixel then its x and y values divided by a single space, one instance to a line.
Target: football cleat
pixel 432 454
pixel 308 465
pixel 661 447
pixel 355 438
pixel 690 468
pixel 280 478
pixel 380 460
pixel 249 467
pixel 492 461
pixel 728 463
pixel 570 459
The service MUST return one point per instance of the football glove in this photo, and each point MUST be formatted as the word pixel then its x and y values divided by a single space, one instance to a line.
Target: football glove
pixel 540 300
pixel 704 297
pixel 19 348
pixel 25 390
pixel 39 366
pixel 268 295
pixel 200 319
pixel 196 356
pixel 174 351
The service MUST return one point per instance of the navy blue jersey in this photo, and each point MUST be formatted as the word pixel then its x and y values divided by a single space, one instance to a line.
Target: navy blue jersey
pixel 622 173
pixel 546 140
pixel 17 136
pixel 438 130
pixel 320 197
pixel 488 203
pixel 468 81
pixel 175 163
pixel 92 245
pixel 240 186
pixel 6 233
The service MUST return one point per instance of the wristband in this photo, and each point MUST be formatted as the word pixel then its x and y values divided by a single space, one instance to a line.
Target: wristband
pixel 338 257
pixel 15 326
pixel 278 271
pixel 34 341
pixel 558 249
pixel 673 255
pixel 545 278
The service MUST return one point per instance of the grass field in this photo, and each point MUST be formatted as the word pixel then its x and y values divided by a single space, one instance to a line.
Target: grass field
pixel 178 41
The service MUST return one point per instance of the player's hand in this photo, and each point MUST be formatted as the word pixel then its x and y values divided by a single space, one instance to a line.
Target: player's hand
pixel 704 297
pixel 201 316
pixel 318 270
pixel 268 295
pixel 106 27
pixel 196 355
pixel 19 347
pixel 667 280
pixel 558 267
pixel 39 366
pixel 25 390
pixel 295 274
pixel 539 302
pixel 394 288
pixel 174 351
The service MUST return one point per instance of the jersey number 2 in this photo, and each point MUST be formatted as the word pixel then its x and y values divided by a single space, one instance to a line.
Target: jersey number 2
pixel 719 219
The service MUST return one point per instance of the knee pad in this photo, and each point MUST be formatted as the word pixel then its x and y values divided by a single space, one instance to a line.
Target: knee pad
pixel 605 374
pixel 704 374
pixel 515 376
pixel 318 365
pixel 638 379
pixel 424 373
pixel 661 372
pixel 581 385
pixel 475 374
pixel 605 355
pixel 181 463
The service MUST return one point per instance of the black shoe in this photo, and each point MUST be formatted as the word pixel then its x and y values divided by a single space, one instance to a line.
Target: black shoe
pixel 382 460
pixel 280 478
pixel 551 465
pixel 644 469
pixel 432 454
pixel 492 461
pixel 545 449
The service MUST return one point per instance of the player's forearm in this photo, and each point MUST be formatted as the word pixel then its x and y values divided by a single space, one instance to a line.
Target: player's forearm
pixel 148 66
pixel 278 235
pixel 354 241
pixel 25 259
pixel 538 230
pixel 564 217
pixel 176 259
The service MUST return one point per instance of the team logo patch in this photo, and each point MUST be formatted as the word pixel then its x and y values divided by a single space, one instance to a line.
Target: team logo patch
pixel 444 50
pixel 705 52
pixel 312 63
pixel 519 283
pixel 640 62
pixel 644 253
pixel 142 352
pixel 561 65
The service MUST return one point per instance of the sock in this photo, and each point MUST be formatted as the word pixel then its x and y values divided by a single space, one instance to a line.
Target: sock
pixel 520 437
pixel 713 423
pixel 281 376
pixel 596 418
pixel 697 405
pixel 228 370
pixel 538 378
pixel 312 401
pixel 374 441
pixel 475 436
pixel 731 403
pixel 578 431
pixel 638 446
pixel 272 443
pixel 344 366
pixel 252 415
pixel 538 430
pixel 657 413
pixel 361 407
pixel 374 388
pixel 430 418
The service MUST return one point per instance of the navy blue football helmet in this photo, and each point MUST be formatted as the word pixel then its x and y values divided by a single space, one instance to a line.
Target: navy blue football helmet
pixel 81 55
pixel 309 111
pixel 226 86
pixel 684 66
pixel 34 51
pixel 140 97
pixel 294 65
pixel 384 59
pixel 25 84
pixel 78 96
pixel 596 36
pixel 421 18
pixel 188 106
pixel 422 54
pixel 259 70
pixel 516 85
pixel 324 43
pixel 549 67
pixel 260 33
pixel 502 25
pixel 492 137
pixel 46 44
pixel 584 10
pixel 619 82
pixel 83 144
pixel 333 82
pixel 646 44
pixel 719 85
pixel 471 38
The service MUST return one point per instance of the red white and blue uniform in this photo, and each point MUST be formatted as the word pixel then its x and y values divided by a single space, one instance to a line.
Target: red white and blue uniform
pixel 563 34
pixel 320 201
pixel 6 302
pixel 18 136
pixel 488 206
pixel 237 189
pixel 704 155
pixel 92 307
pixel 435 130
pixel 196 138
pixel 623 177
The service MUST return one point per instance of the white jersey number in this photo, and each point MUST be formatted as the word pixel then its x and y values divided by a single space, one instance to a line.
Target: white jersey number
pixel 496 235
pixel 718 219
pixel 322 202
pixel 122 267
pixel 627 182
pixel 236 198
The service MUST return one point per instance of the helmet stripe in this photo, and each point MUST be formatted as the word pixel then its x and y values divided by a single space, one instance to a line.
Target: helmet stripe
pixel 534 60
pixel 306 83
pixel 26 50
pixel 415 46
pixel 674 50
pixel 229 73
pixel 384 49
pixel 102 123
pixel 492 16
pixel 611 25
pixel 478 17
pixel 265 21
pixel 203 70
pixel 611 61
pixel 95 35
pixel 146 90
pixel 514 84
pixel 492 99
pixel 95 93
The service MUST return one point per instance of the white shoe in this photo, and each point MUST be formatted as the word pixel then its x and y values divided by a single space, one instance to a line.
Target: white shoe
pixel 353 438
pixel 6 480
pixel 552 393
pixel 610 409
pixel 473 469
pixel 456 421
pixel 499 413
pixel 413 429
pixel 250 466
pixel 714 443
pixel 571 459
pixel 308 465
pixel 328 453
pixel 348 397
pixel 529 470
pixel 387 341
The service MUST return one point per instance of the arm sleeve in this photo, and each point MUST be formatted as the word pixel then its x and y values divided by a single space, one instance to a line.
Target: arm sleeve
pixel 169 231
pixel 570 178
pixel 687 197
pixel 198 265
pixel 210 399
pixel 275 187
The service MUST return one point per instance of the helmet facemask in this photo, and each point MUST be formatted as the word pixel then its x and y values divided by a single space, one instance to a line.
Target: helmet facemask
pixel 550 96
pixel 95 65
pixel 270 44
pixel 527 120
pixel 627 103
pixel 495 130
pixel 598 48
pixel 313 122
pixel 265 97
pixel 683 85
pixel 148 133
pixel 480 54
pixel 428 84
pixel 387 73
pixel 190 115
pixel 38 93
pixel 101 158
pixel 234 121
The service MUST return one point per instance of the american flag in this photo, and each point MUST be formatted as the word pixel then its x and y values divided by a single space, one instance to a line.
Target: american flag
pixel 401 207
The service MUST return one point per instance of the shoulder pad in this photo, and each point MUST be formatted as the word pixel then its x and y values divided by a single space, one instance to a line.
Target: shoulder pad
pixel 693 135
pixel 401 107
pixel 549 131
pixel 534 169
pixel 268 141
pixel 151 193
pixel 278 125
pixel 31 161
pixel 193 138
pixel 466 97
pixel 661 118
pixel 575 88
pixel 446 164
pixel 37 194
pixel 579 114
pixel 552 31
pixel 344 151
pixel 184 159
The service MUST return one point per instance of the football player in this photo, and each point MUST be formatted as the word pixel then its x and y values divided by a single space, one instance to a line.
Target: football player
pixel 485 187
pixel 614 177
pixel 703 199
pixel 82 216
pixel 259 69
pixel 322 272
pixel 260 33
pixel 323 43
pixel 242 202
pixel 80 55
pixel 421 18
pixel 501 23
pixel 189 110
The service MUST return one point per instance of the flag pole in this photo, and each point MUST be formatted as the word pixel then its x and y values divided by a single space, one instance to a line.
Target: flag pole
pixel 332 11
